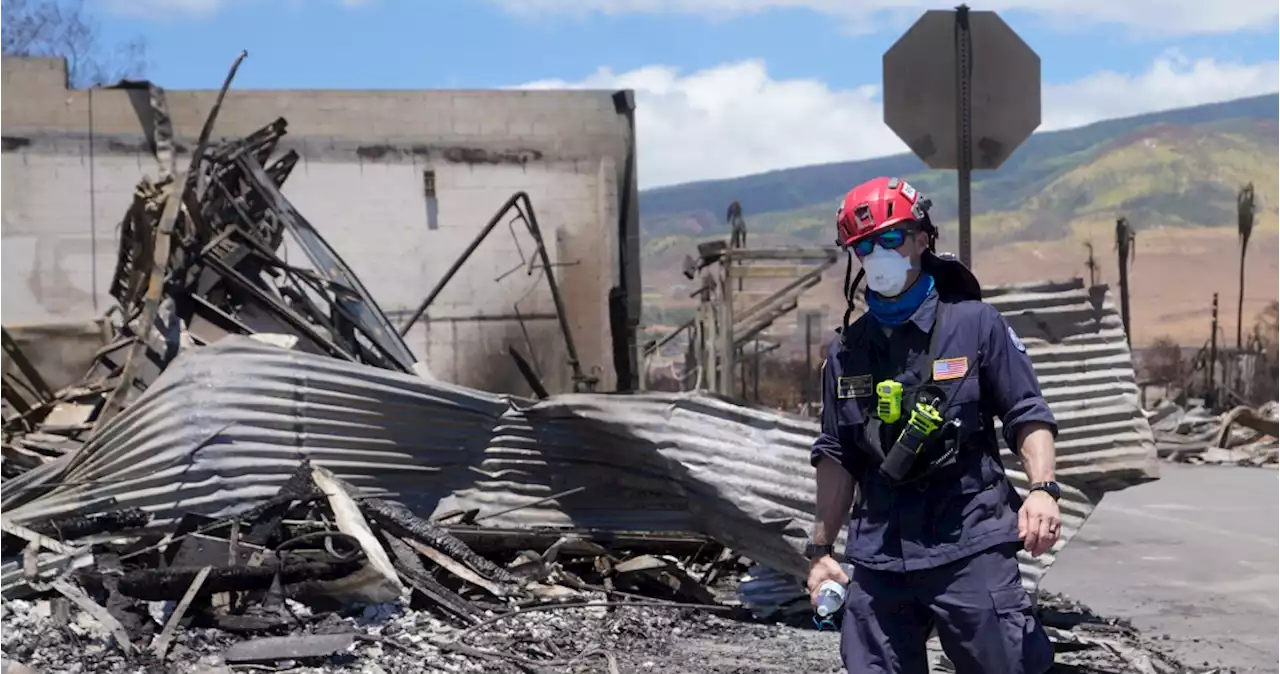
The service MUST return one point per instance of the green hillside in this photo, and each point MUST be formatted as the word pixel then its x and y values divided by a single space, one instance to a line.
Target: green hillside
pixel 1178 168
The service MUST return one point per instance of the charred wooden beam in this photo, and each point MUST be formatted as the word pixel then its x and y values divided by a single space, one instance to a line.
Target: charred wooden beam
pixel 400 521
pixel 172 582
pixel 504 540
pixel 71 527
pixel 411 569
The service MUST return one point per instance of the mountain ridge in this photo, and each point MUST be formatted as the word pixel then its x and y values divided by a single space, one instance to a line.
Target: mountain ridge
pixel 1173 175
pixel 805 186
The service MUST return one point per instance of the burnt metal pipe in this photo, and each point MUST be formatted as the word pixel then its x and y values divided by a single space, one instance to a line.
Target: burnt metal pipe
pixel 523 206
pixel 580 381
pixel 457 264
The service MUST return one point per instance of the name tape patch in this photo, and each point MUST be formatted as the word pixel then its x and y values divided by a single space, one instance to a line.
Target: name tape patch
pixel 857 386
pixel 951 368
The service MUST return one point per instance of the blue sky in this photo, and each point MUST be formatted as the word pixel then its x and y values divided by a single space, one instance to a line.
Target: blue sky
pixel 763 83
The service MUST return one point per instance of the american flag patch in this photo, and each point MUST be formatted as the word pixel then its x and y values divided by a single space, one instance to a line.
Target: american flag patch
pixel 951 368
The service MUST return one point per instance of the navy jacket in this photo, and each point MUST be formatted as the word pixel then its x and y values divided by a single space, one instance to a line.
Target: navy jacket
pixel 964 508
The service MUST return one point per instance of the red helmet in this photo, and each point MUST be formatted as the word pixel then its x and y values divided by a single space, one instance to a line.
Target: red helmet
pixel 879 204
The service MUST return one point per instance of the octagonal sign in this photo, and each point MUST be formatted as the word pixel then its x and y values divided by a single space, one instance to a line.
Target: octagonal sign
pixel 920 89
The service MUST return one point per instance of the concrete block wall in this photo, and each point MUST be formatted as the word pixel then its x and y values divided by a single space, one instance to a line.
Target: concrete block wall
pixel 72 158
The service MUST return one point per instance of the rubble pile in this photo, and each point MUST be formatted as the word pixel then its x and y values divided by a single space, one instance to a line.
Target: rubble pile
pixel 322 578
pixel 1244 436
pixel 1089 643
pixel 321 572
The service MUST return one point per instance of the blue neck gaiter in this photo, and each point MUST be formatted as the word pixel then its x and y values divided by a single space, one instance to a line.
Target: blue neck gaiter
pixel 898 310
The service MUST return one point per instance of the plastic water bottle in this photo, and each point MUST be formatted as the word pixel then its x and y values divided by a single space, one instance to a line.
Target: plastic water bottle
pixel 831 594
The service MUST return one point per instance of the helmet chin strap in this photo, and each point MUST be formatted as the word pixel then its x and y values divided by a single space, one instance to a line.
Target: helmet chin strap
pixel 849 289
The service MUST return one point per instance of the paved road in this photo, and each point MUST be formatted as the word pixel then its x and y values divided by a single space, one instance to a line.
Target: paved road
pixel 1192 557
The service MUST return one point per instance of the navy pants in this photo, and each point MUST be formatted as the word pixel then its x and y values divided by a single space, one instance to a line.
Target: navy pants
pixel 984 618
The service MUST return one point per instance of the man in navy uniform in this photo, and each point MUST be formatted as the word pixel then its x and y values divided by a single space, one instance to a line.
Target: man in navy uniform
pixel 909 394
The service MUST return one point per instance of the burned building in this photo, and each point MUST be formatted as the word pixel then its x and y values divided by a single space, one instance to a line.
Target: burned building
pixel 400 182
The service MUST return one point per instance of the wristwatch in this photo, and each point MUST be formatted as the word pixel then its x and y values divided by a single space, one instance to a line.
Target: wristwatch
pixel 814 551
pixel 1050 488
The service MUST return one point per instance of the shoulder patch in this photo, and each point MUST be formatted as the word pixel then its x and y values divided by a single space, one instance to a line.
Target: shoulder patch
pixel 1017 343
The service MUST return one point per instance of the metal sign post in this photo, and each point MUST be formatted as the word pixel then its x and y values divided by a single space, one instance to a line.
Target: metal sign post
pixel 964 131
pixel 962 90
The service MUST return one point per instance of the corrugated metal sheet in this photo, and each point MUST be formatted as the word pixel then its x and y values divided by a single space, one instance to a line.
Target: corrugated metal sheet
pixel 1076 341
pixel 674 462
pixel 225 425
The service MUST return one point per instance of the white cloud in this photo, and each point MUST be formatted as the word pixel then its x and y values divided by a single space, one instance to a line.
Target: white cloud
pixel 1173 81
pixel 193 8
pixel 1144 16
pixel 735 120
pixel 152 8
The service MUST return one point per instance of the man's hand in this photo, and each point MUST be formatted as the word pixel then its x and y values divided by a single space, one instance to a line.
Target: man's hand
pixel 821 570
pixel 1038 523
pixel 1039 519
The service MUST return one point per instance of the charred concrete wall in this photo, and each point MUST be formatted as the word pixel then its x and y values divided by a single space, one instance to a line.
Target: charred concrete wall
pixel 370 163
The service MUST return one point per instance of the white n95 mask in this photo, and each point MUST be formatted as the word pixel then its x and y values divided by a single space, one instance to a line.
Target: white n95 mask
pixel 886 271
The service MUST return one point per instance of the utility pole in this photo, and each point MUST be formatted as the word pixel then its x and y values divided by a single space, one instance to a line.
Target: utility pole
pixel 1213 356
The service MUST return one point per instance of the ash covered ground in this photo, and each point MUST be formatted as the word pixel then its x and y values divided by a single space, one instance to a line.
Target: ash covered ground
pixel 614 640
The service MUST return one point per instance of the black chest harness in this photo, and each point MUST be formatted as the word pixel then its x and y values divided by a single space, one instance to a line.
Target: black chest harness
pixel 920 439
pixel 907 430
